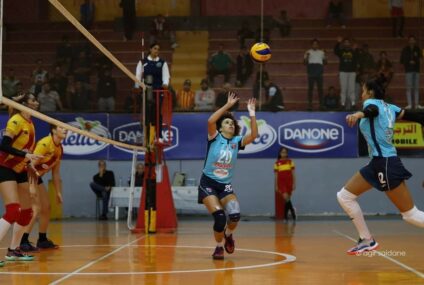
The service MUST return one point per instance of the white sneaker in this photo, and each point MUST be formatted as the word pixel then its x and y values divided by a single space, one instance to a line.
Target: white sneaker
pixel 408 107
pixel 420 107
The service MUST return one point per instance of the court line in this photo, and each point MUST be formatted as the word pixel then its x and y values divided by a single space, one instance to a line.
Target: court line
pixel 416 272
pixel 75 272
pixel 288 259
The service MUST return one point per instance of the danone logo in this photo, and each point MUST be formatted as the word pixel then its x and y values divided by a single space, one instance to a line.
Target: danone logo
pixel 311 136
pixel 131 134
pixel 76 144
pixel 267 135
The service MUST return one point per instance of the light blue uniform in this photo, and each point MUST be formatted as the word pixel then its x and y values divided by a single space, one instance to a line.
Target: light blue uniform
pixel 221 158
pixel 378 131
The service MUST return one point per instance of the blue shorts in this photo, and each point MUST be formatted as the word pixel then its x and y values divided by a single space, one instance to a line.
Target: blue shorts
pixel 208 187
pixel 385 173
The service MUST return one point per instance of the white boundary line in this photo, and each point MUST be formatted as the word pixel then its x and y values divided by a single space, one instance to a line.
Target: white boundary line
pixel 94 261
pixel 288 259
pixel 416 272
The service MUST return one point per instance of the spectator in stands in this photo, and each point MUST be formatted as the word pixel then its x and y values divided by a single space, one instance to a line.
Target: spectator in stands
pixel 283 23
pixel 398 19
pixel 10 84
pixel 335 12
pixel 79 96
pixel 102 185
pixel 244 67
pixel 244 33
pixel 348 66
pixel 161 29
pixel 49 99
pixel 128 18
pixel 59 83
pixel 220 63
pixel 39 76
pixel 87 11
pixel 256 86
pixel 64 52
pixel 204 99
pixel 411 59
pixel 133 103
pixel 185 98
pixel 274 97
pixel 366 68
pixel 265 37
pixel 385 68
pixel 106 92
pixel 82 68
pixel 139 175
pixel 331 100
pixel 222 97
pixel 315 59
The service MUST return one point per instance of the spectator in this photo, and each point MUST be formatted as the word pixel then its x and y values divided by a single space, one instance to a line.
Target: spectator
pixel 204 98
pixel 39 76
pixel 133 103
pixel 64 52
pixel 49 99
pixel 82 67
pixel 335 12
pixel 385 68
pixel 244 33
pixel 161 29
pixel 128 18
pixel 274 97
pixel 101 185
pixel 139 175
pixel 87 11
pixel 222 97
pixel 398 19
pixel 185 97
pixel 79 97
pixel 366 68
pixel 220 63
pixel 283 23
pixel 106 92
pixel 59 83
pixel 265 37
pixel 256 86
pixel 411 58
pixel 348 66
pixel 244 67
pixel 10 84
pixel 315 59
pixel 331 100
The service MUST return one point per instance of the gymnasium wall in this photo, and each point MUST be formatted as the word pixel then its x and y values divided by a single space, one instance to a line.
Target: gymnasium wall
pixel 380 8
pixel 318 181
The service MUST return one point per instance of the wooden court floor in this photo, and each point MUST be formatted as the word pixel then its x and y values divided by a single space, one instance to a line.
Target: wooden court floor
pixel 268 252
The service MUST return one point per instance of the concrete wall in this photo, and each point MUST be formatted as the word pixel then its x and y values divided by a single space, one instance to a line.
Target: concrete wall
pixel 318 180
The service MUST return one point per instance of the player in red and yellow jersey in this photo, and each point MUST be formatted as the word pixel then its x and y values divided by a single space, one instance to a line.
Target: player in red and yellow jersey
pixel 15 161
pixel 50 147
pixel 285 180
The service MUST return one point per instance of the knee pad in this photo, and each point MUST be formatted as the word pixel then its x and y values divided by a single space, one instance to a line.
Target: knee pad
pixel 220 221
pixel 25 217
pixel 348 201
pixel 233 210
pixel 12 213
pixel 414 216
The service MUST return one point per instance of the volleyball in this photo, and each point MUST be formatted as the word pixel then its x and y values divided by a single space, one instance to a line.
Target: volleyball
pixel 260 52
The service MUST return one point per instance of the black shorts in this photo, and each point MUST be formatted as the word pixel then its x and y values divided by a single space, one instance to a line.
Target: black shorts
pixel 208 187
pixel 40 181
pixel 385 173
pixel 7 174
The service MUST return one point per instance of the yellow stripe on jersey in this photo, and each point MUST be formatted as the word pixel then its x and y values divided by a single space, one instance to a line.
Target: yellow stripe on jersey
pixel 289 165
pixel 23 139
pixel 51 153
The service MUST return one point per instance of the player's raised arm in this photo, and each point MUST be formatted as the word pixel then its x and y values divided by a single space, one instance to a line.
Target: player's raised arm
pixel 232 99
pixel 250 137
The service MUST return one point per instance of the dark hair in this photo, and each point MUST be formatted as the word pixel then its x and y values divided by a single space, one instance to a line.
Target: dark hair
pixel 52 127
pixel 376 85
pixel 154 44
pixel 315 40
pixel 383 52
pixel 279 151
pixel 228 115
pixel 23 100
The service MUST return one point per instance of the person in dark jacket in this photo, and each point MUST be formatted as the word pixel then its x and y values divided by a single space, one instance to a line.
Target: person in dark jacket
pixel 102 185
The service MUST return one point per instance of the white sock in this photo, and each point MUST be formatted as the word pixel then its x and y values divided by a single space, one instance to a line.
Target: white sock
pixel 348 202
pixel 4 228
pixel 414 216
pixel 18 232
pixel 220 244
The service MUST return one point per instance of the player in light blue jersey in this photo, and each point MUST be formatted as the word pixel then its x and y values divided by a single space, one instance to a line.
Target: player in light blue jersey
pixel 215 189
pixel 385 171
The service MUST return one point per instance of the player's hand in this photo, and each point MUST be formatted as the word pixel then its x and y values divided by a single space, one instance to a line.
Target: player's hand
pixel 59 198
pixel 352 119
pixel 251 106
pixel 232 99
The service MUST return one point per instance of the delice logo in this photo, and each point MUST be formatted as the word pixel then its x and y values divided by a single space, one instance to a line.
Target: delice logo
pixel 267 135
pixel 311 136
pixel 131 133
pixel 76 144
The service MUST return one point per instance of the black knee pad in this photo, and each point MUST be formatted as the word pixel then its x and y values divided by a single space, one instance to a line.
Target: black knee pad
pixel 220 221
pixel 234 217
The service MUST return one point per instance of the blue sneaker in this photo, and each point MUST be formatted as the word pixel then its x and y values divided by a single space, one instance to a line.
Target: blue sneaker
pixel 363 245
pixel 218 254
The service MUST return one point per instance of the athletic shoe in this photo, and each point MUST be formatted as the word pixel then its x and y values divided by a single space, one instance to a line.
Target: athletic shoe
pixel 363 245
pixel 1 263
pixel 229 243
pixel 28 247
pixel 46 244
pixel 218 254
pixel 17 255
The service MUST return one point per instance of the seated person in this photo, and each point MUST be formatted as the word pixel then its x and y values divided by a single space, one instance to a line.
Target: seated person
pixel 139 175
pixel 220 63
pixel 204 99
pixel 222 98
pixel 185 98
pixel 102 185
pixel 274 97
pixel 331 100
